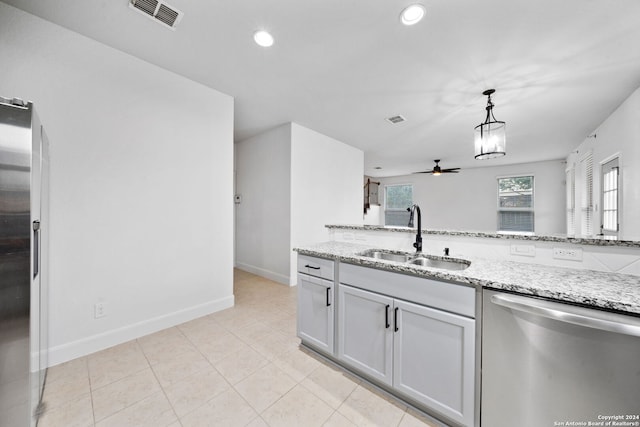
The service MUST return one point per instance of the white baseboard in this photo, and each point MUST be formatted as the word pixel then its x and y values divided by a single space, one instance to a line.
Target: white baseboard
pixel 276 277
pixel 65 352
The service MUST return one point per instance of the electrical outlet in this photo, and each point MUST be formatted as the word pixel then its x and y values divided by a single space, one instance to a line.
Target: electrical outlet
pixel 571 254
pixel 99 310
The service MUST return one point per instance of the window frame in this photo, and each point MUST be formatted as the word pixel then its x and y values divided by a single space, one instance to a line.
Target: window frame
pixel 397 210
pixel 606 163
pixel 531 209
pixel 570 189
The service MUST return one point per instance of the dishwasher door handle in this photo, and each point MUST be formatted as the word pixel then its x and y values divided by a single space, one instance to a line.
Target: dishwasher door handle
pixel 589 318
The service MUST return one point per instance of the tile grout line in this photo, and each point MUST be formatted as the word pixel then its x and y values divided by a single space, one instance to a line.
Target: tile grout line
pixel 93 411
pixel 345 400
pixel 214 368
pixel 159 384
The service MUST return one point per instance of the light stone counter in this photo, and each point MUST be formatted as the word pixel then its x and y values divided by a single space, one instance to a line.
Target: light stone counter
pixel 503 236
pixel 612 291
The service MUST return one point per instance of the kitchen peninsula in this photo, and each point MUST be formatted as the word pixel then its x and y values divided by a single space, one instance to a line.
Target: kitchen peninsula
pixel 446 339
pixel 610 291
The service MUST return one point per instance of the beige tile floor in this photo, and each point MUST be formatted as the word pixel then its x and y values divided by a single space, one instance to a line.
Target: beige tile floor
pixel 238 367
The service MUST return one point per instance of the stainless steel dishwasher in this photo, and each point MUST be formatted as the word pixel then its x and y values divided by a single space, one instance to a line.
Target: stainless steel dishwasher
pixel 546 363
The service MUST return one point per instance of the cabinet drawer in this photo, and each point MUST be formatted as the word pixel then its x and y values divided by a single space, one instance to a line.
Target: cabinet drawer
pixel 446 296
pixel 318 267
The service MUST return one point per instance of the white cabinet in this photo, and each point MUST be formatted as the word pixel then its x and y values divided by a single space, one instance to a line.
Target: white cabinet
pixel 316 303
pixel 434 358
pixel 426 353
pixel 364 331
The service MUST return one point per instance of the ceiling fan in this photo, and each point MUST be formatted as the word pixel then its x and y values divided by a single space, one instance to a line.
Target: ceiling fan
pixel 437 170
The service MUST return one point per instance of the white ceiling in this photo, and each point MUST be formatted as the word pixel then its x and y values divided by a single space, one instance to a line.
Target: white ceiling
pixel 340 67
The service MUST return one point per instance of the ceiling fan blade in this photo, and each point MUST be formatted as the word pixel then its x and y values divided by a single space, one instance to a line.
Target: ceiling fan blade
pixel 424 172
pixel 450 169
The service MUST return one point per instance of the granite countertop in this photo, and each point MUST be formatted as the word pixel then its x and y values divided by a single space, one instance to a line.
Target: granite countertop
pixel 535 238
pixel 612 291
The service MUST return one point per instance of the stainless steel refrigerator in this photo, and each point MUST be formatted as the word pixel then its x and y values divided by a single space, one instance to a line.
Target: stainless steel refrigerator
pixel 24 225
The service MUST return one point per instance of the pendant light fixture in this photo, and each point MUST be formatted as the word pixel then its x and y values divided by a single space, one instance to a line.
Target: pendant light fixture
pixel 490 136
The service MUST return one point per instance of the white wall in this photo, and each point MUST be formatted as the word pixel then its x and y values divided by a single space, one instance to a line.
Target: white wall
pixel 618 135
pixel 263 177
pixel 468 200
pixel 141 185
pixel 293 181
pixel 326 187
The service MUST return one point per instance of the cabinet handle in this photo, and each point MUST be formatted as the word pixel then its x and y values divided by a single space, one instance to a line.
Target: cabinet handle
pixel 578 317
pixel 386 317
pixel 328 301
pixel 312 267
pixel 395 319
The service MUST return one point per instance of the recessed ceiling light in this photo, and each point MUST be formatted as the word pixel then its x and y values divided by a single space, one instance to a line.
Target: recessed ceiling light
pixel 263 38
pixel 412 14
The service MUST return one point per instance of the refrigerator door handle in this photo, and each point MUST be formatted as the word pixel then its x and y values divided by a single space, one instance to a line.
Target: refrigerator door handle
pixel 36 248
pixel 556 311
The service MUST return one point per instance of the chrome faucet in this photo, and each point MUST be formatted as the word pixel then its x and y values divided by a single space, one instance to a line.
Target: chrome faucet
pixel 418 242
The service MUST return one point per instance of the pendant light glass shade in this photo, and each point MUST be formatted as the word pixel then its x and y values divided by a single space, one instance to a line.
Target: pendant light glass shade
pixel 490 136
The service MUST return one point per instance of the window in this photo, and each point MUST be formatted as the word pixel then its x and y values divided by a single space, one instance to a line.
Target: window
pixel 586 196
pixel 610 198
pixel 396 201
pixel 515 204
pixel 571 202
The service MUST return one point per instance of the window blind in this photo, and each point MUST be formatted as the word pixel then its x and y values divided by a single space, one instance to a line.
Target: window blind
pixel 571 201
pixel 586 199
pixel 521 221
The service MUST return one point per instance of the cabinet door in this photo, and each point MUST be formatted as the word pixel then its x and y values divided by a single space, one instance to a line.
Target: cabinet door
pixel 365 332
pixel 315 312
pixel 434 353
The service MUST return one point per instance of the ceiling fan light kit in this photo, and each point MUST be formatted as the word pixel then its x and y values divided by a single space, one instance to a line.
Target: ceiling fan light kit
pixel 437 170
pixel 490 136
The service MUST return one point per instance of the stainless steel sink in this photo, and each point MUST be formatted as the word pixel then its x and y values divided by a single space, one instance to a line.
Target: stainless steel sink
pixel 440 263
pixel 413 259
pixel 387 255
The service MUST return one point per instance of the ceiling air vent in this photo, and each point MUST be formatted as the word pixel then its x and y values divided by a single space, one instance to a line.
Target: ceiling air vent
pixel 395 119
pixel 158 11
